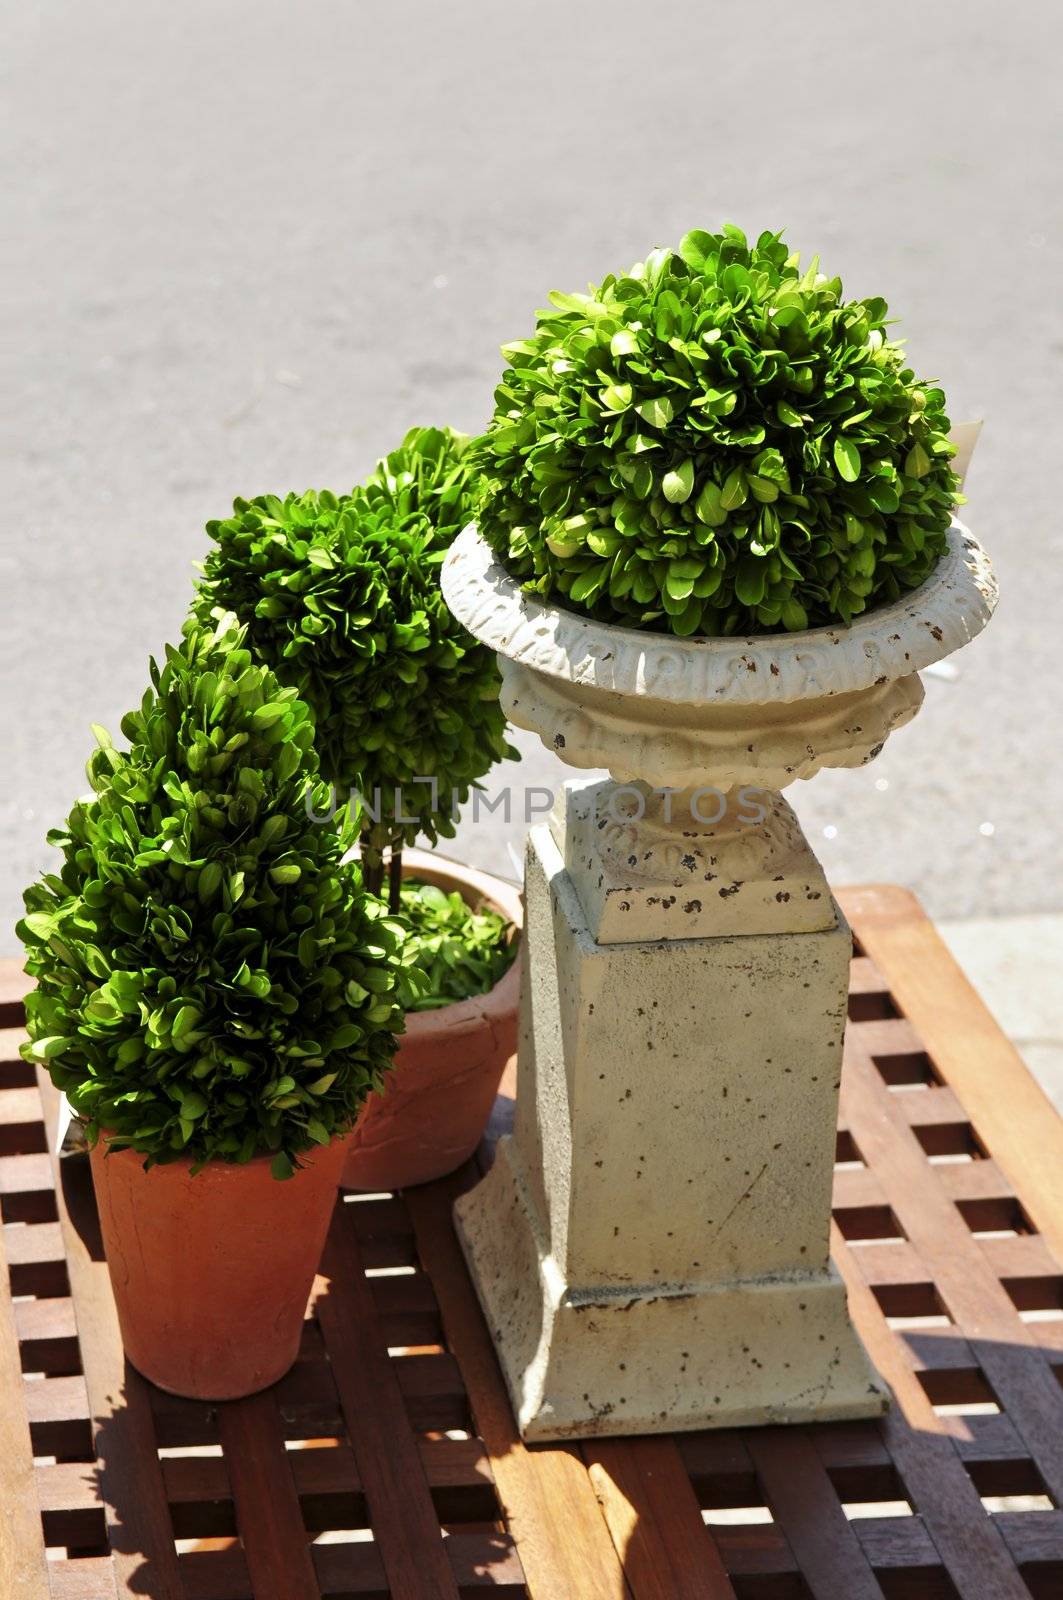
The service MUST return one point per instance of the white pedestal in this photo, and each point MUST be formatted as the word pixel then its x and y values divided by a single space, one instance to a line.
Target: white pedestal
pixel 651 1245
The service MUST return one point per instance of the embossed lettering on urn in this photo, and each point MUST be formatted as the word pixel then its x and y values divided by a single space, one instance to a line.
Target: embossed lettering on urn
pixel 651 1244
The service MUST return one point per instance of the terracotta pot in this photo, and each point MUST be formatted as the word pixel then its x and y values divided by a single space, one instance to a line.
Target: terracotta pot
pixel 211 1274
pixel 439 1093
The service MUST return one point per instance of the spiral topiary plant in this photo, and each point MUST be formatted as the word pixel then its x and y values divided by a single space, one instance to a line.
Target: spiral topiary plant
pixel 341 598
pixel 212 979
pixel 716 442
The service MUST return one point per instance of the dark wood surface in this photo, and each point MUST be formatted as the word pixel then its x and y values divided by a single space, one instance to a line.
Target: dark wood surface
pixel 387 1463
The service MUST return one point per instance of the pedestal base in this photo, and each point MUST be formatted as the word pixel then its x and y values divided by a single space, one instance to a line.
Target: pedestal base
pixel 651 1247
pixel 652 1358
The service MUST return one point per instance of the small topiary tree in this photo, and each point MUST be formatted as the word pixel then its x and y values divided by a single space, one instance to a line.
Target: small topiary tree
pixel 716 442
pixel 341 598
pixel 212 979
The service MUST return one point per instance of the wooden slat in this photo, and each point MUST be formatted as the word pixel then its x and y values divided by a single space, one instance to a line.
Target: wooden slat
pixel 865 977
pixel 268 1514
pixel 902 1547
pixel 804 1504
pixel 894 1036
pixel 1020 1375
pixel 131 1487
pixel 30 1174
pixel 29 1245
pixel 975 1180
pixel 23 1567
pixel 857 1189
pixel 55 1400
pixel 1020 1127
pixel 545 1491
pixel 20 1107
pixel 87 1578
pixel 969 1543
pixel 13 987
pixel 449 1464
pixel 45 1319
pixel 655 1521
pixel 1033 1535
pixel 405 1524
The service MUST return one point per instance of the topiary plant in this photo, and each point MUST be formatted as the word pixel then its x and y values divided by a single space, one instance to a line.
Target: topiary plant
pixel 458 951
pixel 430 472
pixel 716 442
pixel 212 979
pixel 341 598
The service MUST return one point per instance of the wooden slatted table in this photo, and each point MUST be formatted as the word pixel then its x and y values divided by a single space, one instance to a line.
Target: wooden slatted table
pixel 387 1464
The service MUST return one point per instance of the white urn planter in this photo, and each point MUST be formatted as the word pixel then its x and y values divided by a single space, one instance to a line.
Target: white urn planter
pixel 651 1244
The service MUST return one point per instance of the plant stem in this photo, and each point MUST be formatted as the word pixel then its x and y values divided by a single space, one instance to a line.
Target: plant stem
pixel 395 876
pixel 373 841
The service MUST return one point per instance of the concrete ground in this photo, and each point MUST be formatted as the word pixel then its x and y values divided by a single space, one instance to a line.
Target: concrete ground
pixel 250 243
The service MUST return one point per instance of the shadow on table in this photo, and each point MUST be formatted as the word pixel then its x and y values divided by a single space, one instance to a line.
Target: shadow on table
pixel 982 1472
pixel 170 1488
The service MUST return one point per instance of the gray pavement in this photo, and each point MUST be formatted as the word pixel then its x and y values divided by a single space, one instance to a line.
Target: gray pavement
pixel 251 242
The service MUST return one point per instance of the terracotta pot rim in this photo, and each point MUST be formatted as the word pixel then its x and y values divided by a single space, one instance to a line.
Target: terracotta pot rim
pixel 505 898
pixel 183 1163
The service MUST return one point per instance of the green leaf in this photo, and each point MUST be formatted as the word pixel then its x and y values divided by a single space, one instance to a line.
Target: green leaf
pixel 617 396
pixel 696 249
pixel 657 412
pixel 345 1036
pixel 588 583
pixel 917 462
pixel 209 881
pixel 47 1049
pixel 281 1166
pixel 679 582
pixel 733 493
pixel 750 581
pixel 580 303
pixel 762 489
pixel 678 484
pixel 709 505
pixel 847 459
pixel 267 715
pixel 185 1021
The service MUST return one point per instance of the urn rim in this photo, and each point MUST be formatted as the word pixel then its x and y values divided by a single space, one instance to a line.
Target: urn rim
pixel 893 641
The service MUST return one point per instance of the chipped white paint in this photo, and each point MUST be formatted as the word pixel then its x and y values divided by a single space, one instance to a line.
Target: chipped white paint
pixel 885 645
pixel 674 864
pixel 650 1246
pixel 684 712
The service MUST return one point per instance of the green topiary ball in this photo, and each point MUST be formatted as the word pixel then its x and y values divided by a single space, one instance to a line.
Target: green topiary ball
pixel 341 599
pixel 212 979
pixel 716 443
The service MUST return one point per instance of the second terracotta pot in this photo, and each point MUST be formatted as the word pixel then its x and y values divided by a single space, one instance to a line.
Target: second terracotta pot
pixel 211 1274
pixel 438 1095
